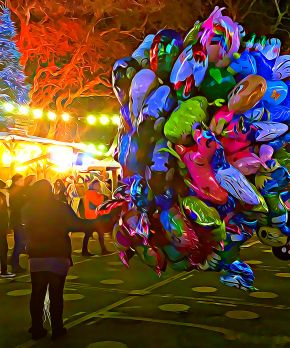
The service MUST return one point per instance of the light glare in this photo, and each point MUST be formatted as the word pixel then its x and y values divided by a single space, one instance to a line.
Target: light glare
pixel 91 119
pixel 23 109
pixel 65 116
pixel 51 115
pixel 37 113
pixel 104 120
pixel 8 107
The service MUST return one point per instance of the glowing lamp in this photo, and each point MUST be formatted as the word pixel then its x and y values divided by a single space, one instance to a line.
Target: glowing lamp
pixel 91 119
pixel 8 107
pixel 37 113
pixel 65 116
pixel 91 148
pixel 21 168
pixel 101 147
pixel 61 157
pixel 51 115
pixel 116 120
pixel 6 159
pixel 104 120
pixel 23 109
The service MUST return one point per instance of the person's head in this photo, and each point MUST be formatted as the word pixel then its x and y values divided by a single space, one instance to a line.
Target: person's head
pixel 109 184
pixel 94 185
pixel 41 191
pixel 2 185
pixel 17 180
pixel 59 185
pixel 30 180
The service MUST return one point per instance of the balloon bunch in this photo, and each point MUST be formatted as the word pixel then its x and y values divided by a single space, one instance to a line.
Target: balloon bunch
pixel 202 119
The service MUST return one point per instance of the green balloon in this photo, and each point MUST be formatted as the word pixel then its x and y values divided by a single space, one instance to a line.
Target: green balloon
pixel 181 120
pixel 205 215
pixel 218 82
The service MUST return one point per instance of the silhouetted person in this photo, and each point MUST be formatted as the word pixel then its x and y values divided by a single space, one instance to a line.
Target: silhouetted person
pixel 16 203
pixel 47 224
pixel 4 226
pixel 29 180
pixel 60 191
pixel 93 198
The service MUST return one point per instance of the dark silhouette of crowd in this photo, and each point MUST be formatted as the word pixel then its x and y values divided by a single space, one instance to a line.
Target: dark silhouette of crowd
pixel 41 219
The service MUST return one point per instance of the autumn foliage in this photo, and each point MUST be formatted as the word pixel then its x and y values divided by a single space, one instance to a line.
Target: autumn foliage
pixel 69 46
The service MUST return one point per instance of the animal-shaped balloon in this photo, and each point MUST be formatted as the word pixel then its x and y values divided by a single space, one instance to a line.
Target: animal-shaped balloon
pixel 164 50
pixel 184 119
pixel 188 71
pixel 122 74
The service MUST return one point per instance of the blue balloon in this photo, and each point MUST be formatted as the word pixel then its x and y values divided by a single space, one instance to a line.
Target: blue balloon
pixel 280 142
pixel 267 131
pixel 281 69
pixel 160 158
pixel 278 113
pixel 264 66
pixel 244 65
pixel 159 103
pixel 276 92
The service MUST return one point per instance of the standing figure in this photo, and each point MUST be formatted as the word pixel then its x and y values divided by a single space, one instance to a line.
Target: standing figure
pixel 93 198
pixel 4 226
pixel 47 224
pixel 16 203
pixel 60 191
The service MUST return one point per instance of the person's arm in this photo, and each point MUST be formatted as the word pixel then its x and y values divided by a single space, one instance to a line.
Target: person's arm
pixel 76 224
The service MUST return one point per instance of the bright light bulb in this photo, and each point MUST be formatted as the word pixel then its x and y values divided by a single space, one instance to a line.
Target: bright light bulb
pixel 65 116
pixel 101 147
pixel 116 120
pixel 104 120
pixel 37 113
pixel 21 168
pixel 6 159
pixel 91 148
pixel 23 109
pixel 51 115
pixel 8 107
pixel 91 119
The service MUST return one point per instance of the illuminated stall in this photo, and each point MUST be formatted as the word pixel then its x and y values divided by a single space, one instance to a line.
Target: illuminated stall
pixel 47 158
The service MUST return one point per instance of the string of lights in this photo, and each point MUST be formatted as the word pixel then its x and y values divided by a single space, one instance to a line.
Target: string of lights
pixel 37 114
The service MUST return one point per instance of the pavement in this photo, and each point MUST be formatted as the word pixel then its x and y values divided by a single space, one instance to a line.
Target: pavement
pixel 109 306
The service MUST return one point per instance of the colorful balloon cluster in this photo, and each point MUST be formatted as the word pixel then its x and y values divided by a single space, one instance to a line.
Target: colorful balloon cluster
pixel 202 121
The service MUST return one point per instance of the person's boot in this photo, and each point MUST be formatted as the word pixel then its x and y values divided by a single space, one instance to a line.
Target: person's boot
pixel 86 253
pixel 106 252
pixel 18 269
pixel 37 333
pixel 57 333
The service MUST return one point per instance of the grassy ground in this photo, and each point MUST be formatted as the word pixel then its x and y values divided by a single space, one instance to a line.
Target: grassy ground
pixel 108 306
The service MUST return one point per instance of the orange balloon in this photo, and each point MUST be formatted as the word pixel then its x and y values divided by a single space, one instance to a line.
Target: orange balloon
pixel 247 93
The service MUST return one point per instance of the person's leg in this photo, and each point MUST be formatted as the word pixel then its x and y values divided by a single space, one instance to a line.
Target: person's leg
pixel 3 252
pixel 85 243
pixel 56 285
pixel 19 247
pixel 102 243
pixel 39 281
pixel 85 250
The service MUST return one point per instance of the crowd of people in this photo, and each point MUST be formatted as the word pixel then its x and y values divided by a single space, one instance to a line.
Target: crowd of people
pixel 41 216
pixel 81 196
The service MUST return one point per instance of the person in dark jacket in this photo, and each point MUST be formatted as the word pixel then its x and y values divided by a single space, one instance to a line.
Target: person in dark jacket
pixel 29 180
pixel 60 191
pixel 47 224
pixel 16 203
pixel 4 226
